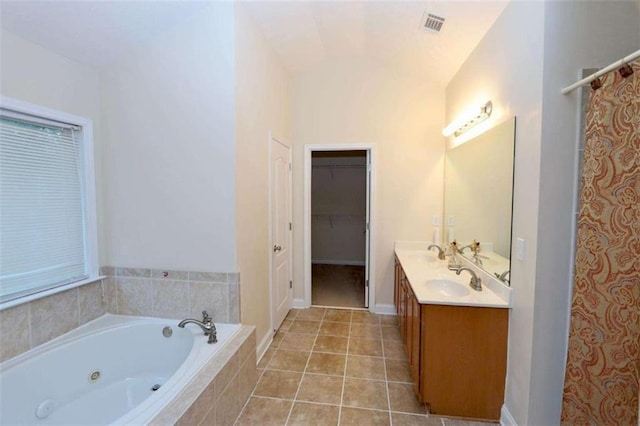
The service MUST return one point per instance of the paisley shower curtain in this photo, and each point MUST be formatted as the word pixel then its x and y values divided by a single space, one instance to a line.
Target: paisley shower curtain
pixel 603 362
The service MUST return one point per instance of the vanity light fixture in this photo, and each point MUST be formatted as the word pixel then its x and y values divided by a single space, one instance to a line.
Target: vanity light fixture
pixel 463 124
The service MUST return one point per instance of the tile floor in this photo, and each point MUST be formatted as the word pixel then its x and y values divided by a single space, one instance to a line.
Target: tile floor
pixel 337 366
pixel 337 285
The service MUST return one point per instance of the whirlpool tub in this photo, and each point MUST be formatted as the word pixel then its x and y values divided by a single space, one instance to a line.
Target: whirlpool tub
pixel 114 370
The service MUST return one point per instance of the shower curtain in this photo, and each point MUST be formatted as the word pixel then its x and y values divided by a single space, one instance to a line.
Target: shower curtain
pixel 603 362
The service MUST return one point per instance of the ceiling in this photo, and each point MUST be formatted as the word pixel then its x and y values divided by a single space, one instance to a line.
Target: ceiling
pixel 302 33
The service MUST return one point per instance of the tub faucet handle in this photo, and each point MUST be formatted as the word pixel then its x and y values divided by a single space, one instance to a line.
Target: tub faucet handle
pixel 205 317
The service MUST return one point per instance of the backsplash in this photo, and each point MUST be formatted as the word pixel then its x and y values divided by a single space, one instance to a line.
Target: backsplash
pixel 172 294
pixel 124 291
pixel 30 324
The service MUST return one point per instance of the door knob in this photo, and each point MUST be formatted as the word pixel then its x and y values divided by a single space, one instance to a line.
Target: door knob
pixel 277 248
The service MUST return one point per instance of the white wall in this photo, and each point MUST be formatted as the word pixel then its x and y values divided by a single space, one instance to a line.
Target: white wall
pixel 262 105
pixel 33 74
pixel 169 157
pixel 361 101
pixel 577 35
pixel 542 48
pixel 506 67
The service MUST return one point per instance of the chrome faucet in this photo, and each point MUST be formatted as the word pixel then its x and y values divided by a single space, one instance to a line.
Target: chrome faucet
pixel 454 251
pixel 207 326
pixel 440 251
pixel 475 283
pixel 503 276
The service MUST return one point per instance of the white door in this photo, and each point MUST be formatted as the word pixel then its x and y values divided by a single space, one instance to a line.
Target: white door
pixel 367 239
pixel 281 291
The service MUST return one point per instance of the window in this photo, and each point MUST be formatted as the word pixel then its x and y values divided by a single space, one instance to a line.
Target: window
pixel 47 201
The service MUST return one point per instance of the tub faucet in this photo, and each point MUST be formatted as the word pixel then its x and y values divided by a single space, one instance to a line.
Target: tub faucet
pixel 475 283
pixel 207 326
pixel 440 251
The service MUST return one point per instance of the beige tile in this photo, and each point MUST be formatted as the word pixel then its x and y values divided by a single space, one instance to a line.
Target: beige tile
pixel 334 329
pixel 288 360
pixel 389 320
pixel 338 315
pixel 398 371
pixel 248 347
pixel 292 314
pixel 171 299
pixel 365 367
pixel 91 302
pixel 306 327
pixel 304 414
pixel 285 325
pixel 391 333
pixel 394 349
pixel 107 270
pixel 332 344
pixel 227 372
pixel 216 277
pixel 324 363
pixel 133 272
pixel 320 388
pixel 135 296
pixel 277 339
pixel 365 347
pixel 14 331
pixel 110 294
pixel 53 315
pixel 210 297
pixel 248 376
pixel 366 330
pixel 297 342
pixel 359 417
pixel 265 411
pixel 460 422
pixel 200 408
pixel 401 419
pixel 312 314
pixel 233 300
pixel 278 384
pixel 403 399
pixel 228 405
pixel 169 274
pixel 365 394
pixel 365 317
pixel 266 357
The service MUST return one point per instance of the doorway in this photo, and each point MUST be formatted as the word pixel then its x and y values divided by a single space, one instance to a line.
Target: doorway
pixel 338 232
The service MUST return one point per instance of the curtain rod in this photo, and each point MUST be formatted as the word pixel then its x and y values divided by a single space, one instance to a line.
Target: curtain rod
pixel 613 66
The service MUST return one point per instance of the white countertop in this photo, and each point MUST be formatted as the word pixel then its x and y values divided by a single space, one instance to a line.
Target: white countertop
pixel 420 265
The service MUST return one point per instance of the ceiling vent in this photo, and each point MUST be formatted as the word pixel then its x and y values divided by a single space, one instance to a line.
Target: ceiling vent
pixel 431 22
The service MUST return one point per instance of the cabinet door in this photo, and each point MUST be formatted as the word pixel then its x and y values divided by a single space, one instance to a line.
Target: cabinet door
pixel 408 347
pixel 402 296
pixel 396 282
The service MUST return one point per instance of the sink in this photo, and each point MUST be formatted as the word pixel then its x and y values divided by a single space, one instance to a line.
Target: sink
pixel 447 287
pixel 422 257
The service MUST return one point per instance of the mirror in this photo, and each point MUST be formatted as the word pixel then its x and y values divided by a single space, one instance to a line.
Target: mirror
pixel 478 196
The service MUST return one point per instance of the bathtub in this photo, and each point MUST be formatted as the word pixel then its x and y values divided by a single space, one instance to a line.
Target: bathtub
pixel 114 370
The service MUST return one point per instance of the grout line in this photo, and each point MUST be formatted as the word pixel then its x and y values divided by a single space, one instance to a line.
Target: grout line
pixel 344 376
pixel 295 397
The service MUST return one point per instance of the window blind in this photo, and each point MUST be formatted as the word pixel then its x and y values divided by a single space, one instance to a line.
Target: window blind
pixel 42 218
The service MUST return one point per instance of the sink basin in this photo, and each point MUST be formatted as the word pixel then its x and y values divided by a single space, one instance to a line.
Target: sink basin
pixel 422 257
pixel 447 287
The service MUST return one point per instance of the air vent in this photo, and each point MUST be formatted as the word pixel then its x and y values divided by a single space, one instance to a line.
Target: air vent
pixel 431 22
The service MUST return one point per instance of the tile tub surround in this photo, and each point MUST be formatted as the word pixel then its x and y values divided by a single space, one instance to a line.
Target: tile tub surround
pixel 31 324
pixel 219 391
pixel 337 366
pixel 172 294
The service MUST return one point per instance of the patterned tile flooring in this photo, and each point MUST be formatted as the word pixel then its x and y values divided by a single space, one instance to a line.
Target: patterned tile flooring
pixel 337 367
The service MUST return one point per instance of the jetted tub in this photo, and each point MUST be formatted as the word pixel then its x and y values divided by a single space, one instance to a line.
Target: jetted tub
pixel 113 370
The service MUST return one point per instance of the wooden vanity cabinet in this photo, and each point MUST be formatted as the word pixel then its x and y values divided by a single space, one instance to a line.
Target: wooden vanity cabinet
pixel 457 354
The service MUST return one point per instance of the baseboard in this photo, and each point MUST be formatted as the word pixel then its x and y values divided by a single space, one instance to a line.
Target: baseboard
pixel 264 345
pixel 298 304
pixel 385 309
pixel 338 262
pixel 506 419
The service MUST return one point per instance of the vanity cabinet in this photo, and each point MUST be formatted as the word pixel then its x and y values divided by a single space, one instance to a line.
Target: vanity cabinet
pixel 457 354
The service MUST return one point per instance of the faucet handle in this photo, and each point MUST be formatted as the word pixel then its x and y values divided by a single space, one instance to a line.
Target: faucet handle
pixel 205 317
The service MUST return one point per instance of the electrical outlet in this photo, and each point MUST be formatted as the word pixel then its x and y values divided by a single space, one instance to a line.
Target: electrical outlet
pixel 521 247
